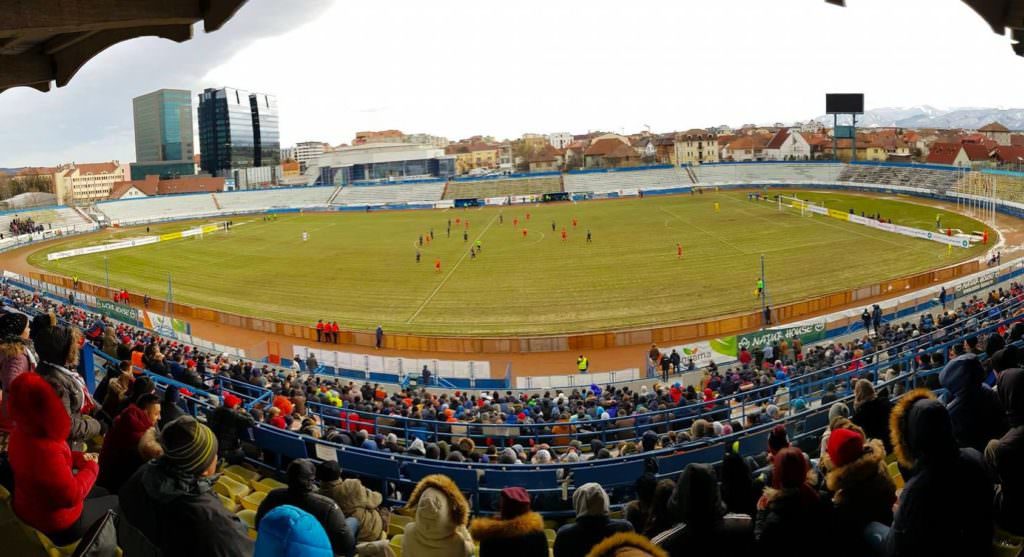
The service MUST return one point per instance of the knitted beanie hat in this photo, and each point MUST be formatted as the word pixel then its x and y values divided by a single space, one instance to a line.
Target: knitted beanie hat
pixel 188 445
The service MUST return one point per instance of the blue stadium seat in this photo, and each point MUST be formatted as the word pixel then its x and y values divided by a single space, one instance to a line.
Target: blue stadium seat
pixel 281 443
pixel 673 464
pixel 754 444
pixel 375 467
pixel 623 473
pixel 528 479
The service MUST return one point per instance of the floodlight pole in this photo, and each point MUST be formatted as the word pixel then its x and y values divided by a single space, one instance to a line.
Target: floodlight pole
pixel 106 270
pixel 764 290
pixel 170 297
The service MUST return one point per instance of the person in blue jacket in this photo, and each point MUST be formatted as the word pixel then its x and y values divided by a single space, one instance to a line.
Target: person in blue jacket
pixel 288 531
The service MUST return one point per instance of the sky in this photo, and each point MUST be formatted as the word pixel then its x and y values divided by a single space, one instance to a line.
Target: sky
pixel 458 68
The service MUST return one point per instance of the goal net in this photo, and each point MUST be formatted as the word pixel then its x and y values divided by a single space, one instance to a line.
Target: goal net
pixel 804 207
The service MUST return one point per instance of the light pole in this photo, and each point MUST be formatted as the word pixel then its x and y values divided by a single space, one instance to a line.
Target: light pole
pixel 106 270
pixel 764 293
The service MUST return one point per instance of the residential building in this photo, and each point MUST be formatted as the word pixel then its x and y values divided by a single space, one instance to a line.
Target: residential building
pixel 996 132
pixel 287 154
pixel 610 151
pixel 1008 155
pixel 546 159
pixel 963 155
pixel 154 185
pixel 381 162
pixel 470 156
pixel 306 151
pixel 426 139
pixel 82 184
pixel 386 136
pixel 745 148
pixel 237 130
pixel 559 140
pixel 867 149
pixel 694 147
pixel 787 145
pixel 163 133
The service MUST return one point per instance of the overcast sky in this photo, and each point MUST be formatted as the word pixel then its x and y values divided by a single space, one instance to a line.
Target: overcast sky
pixel 462 67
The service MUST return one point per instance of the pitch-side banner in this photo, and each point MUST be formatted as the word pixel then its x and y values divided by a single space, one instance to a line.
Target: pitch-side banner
pixel 166 326
pixel 725 350
pixel 958 241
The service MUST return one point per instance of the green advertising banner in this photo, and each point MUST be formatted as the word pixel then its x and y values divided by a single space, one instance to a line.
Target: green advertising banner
pixel 119 312
pixel 730 346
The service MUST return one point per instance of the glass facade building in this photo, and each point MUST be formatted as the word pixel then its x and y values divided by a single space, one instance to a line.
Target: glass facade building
pixel 237 129
pixel 163 131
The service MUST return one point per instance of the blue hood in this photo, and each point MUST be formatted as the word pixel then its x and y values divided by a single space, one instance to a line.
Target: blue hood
pixel 288 531
pixel 961 374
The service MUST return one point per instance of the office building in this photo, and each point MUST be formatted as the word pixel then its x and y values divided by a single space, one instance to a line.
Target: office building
pixel 163 134
pixel 237 130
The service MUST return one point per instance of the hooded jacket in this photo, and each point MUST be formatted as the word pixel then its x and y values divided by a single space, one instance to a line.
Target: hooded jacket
pixel 703 527
pixel 180 514
pixel 948 491
pixel 129 444
pixel 862 490
pixel 360 502
pixel 626 544
pixel 288 531
pixel 301 493
pixel 16 357
pixel 48 493
pixel 71 390
pixel 592 525
pixel 1006 455
pixel 522 536
pixel 974 409
pixel 439 529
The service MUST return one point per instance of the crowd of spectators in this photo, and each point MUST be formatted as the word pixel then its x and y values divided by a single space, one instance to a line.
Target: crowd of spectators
pixel 20 226
pixel 959 451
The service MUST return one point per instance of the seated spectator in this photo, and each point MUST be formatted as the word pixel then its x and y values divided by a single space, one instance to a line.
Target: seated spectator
pixel 702 525
pixel 439 526
pixel 301 493
pixel 945 507
pixel 592 525
pixel 57 347
pixel 661 517
pixel 791 508
pixel 517 532
pixel 229 422
pixel 626 544
pixel 862 491
pixel 169 409
pixel 737 483
pixel 836 411
pixel 130 443
pixel 288 531
pixel 16 357
pixel 638 511
pixel 52 483
pixel 871 412
pixel 974 409
pixel 171 501
pixel 1006 455
pixel 354 499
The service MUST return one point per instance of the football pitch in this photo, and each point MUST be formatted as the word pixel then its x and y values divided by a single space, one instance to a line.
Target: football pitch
pixel 360 269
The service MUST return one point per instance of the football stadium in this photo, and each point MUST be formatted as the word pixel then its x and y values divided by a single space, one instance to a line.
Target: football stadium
pixel 770 339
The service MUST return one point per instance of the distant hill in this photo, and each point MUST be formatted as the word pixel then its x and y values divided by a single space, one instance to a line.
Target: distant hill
pixel 10 171
pixel 930 117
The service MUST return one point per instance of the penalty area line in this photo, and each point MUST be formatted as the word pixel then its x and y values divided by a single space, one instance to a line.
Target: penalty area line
pixel 450 273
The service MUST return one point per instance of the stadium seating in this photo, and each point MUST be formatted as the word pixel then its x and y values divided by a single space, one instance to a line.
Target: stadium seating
pixel 617 180
pixel 402 193
pixel 53 217
pixel 170 207
pixel 743 173
pixel 926 178
pixel 502 187
pixel 277 198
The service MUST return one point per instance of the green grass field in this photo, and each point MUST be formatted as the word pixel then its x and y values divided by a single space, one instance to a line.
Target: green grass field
pixel 360 269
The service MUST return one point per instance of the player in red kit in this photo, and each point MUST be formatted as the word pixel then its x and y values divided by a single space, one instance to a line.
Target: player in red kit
pixel 515 223
pixel 574 222
pixel 564 236
pixel 524 233
pixel 679 251
pixel 437 265
pixel 527 216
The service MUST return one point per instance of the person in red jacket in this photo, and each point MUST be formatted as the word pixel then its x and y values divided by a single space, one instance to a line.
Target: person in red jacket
pixel 334 332
pixel 52 483
pixel 130 443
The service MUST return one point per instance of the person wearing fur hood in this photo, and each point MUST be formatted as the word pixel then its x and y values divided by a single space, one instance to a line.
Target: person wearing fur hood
pixel 945 507
pixel 626 544
pixel 17 356
pixel 517 532
pixel 354 499
pixel 862 491
pixel 441 515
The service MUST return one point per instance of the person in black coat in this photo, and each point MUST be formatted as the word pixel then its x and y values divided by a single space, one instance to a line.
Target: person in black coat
pixel 171 503
pixel 517 532
pixel 229 423
pixel 703 526
pixel 169 409
pixel 945 507
pixel 1006 455
pixel 974 408
pixel 871 412
pixel 791 509
pixel 592 525
pixel 301 493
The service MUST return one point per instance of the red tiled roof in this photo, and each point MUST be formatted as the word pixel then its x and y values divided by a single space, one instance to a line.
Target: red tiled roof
pixel 96 167
pixel 606 147
pixel 778 139
pixel 993 127
pixel 943 153
pixel 153 185
pixel 976 152
pixel 1008 153
pixel 755 142
pixel 1017 140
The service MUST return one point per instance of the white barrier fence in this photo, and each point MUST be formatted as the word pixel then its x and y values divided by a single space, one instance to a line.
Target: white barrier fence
pixel 367 363
pixel 581 380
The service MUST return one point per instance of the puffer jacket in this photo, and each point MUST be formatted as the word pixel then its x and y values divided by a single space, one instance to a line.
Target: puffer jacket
pixel 439 529
pixel 129 444
pixel 862 491
pixel 288 531
pixel 974 408
pixel 360 502
pixel 71 390
pixel 16 357
pixel 1006 455
pixel 522 536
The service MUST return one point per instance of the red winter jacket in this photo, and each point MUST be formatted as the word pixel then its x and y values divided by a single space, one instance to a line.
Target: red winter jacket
pixel 48 494
pixel 120 456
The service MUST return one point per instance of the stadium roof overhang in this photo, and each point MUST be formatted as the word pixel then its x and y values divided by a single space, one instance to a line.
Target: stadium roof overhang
pixel 1001 15
pixel 42 41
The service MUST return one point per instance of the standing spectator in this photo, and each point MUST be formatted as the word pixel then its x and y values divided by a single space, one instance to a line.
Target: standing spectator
pixel 355 500
pixel 320 330
pixel 942 297
pixel 676 359
pixel 639 510
pixel 439 528
pixel 171 501
pixel 975 410
pixel 425 373
pixel 653 358
pixel 592 525
pixel 866 318
pixel 288 531
pixel 229 423
pixel 767 315
pixel 702 526
pixel 51 482
pixel 862 491
pixel 517 532
pixel 335 330
pixel 871 412
pixel 301 493
pixel 311 364
pixel 109 342
pixel 791 508
pixel 379 336
pixel 16 357
pixel 582 364
pixel 945 507
pixel 130 443
pixel 1006 455
pixel 57 347
pixel 876 317
pixel 666 365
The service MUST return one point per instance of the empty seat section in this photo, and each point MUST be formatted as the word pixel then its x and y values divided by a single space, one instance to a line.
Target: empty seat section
pixel 401 193
pixel 502 187
pixel 616 180
pixel 743 173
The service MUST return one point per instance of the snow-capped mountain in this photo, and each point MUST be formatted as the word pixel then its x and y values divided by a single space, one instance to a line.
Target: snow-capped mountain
pixel 931 117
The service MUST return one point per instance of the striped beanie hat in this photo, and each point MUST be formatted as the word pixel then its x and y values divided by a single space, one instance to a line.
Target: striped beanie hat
pixel 188 445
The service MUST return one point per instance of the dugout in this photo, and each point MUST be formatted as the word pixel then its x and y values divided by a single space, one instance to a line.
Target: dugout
pixel 555 196
pixel 469 202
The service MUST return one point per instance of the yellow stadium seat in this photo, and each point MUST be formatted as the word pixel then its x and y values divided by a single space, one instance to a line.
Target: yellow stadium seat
pixel 228 503
pixel 396 545
pixel 230 488
pixel 395 529
pixel 550 534
pixel 267 484
pixel 894 473
pixel 551 524
pixel 248 475
pixel 400 519
pixel 252 501
pixel 248 517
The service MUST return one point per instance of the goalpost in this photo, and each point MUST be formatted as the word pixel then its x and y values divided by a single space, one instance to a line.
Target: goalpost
pixel 806 208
